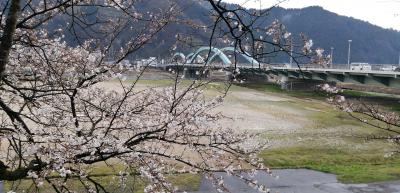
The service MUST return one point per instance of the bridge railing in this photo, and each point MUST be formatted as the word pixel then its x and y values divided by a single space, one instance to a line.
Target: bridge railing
pixel 373 67
pixel 265 66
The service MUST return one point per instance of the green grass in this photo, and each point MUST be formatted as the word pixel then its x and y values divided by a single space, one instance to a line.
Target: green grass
pixel 350 166
pixel 376 98
pixel 110 181
pixel 355 94
pixel 274 88
pixel 395 107
pixel 111 184
pixel 184 182
pixel 330 117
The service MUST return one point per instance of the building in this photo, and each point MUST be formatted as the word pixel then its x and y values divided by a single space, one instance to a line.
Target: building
pixel 152 61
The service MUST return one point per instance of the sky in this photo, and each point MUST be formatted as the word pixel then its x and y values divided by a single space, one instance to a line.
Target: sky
pixel 384 13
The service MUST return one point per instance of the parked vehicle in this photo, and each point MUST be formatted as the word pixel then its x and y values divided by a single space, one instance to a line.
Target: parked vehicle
pixel 360 67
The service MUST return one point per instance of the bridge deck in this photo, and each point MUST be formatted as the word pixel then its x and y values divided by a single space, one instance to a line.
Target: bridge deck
pixel 371 77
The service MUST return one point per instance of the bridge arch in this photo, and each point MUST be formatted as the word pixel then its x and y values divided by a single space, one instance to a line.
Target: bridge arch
pixel 189 57
pixel 179 57
pixel 216 52
pixel 246 56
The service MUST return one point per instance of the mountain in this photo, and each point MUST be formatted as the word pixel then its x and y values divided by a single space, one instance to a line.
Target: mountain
pixel 370 43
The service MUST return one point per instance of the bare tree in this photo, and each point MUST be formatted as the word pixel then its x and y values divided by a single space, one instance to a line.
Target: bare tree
pixel 249 33
pixel 374 115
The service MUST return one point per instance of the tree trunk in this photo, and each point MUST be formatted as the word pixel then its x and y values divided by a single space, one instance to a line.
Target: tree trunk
pixel 7 38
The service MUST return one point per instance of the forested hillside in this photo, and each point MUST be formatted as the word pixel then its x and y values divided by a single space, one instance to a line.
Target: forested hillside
pixel 370 43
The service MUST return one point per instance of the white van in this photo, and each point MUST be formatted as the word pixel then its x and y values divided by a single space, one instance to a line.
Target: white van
pixel 360 67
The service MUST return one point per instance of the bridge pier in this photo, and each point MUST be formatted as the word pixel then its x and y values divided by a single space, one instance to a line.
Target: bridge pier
pixel 189 72
pixel 253 75
pixel 290 83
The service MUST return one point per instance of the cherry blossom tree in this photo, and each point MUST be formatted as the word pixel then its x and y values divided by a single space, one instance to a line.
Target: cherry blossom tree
pixel 58 120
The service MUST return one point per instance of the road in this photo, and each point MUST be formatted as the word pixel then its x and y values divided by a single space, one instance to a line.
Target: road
pixel 301 181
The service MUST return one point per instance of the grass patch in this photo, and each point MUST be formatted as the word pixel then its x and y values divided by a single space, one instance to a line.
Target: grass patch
pixel 333 118
pixel 111 183
pixel 358 94
pixel 274 88
pixel 395 107
pixel 349 166
pixel 186 182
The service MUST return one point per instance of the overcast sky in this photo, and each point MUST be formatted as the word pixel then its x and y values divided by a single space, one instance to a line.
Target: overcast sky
pixel 384 13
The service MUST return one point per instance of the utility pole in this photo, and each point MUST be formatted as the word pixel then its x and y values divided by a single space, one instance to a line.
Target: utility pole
pixel 291 53
pixel 399 58
pixel 348 54
pixel 332 56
